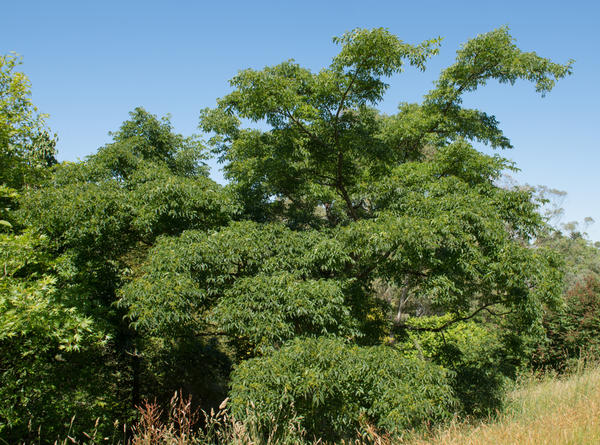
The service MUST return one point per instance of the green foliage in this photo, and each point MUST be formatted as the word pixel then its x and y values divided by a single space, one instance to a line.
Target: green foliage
pixel 572 330
pixel 7 199
pixel 98 218
pixel 25 144
pixel 138 267
pixel 495 56
pixel 259 284
pixel 482 359
pixel 167 203
pixel 334 387
pixel 102 214
pixel 270 309
pixel 413 201
pixel 447 234
pixel 147 182
pixel 581 256
pixel 339 199
pixel 49 349
pixel 326 141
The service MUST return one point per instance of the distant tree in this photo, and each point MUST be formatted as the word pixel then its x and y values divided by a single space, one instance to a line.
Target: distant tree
pixel 571 329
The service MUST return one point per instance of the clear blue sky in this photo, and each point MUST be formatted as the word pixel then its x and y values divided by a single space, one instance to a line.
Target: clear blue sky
pixel 91 63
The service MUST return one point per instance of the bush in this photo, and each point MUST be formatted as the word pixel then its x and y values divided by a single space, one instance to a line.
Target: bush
pixel 573 330
pixel 480 361
pixel 50 366
pixel 334 387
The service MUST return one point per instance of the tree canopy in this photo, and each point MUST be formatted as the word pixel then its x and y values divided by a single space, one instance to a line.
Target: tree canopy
pixel 25 141
pixel 357 267
pixel 405 198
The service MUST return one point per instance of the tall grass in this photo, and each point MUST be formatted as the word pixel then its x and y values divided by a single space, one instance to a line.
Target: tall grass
pixel 219 427
pixel 540 410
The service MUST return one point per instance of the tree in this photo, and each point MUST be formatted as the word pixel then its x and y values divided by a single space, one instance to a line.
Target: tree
pixel 571 329
pixel 49 349
pixel 25 142
pixel 93 223
pixel 42 337
pixel 339 201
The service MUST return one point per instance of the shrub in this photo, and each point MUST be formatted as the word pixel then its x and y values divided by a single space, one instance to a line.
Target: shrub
pixel 573 330
pixel 480 361
pixel 334 387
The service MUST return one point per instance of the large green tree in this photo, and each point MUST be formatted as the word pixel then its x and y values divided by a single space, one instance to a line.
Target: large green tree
pixel 355 224
pixel 348 248
pixel 86 228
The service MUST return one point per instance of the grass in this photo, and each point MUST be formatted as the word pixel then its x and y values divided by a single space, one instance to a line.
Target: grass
pixel 540 410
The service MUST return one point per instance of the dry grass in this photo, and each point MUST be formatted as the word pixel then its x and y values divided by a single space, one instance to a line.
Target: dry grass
pixel 541 411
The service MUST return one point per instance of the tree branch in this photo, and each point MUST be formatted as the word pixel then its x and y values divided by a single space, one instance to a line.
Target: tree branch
pixel 311 135
pixel 441 328
pixel 345 95
pixel 340 156
pixel 451 101
pixel 342 189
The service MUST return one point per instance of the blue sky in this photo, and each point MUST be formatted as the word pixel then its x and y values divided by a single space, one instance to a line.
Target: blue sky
pixel 90 63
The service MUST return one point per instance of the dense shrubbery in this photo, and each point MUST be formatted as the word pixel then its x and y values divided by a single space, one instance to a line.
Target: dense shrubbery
pixel 573 330
pixel 481 358
pixel 332 387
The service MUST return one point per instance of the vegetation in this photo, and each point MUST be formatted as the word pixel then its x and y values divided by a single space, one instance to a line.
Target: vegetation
pixel 333 392
pixel 359 272
pixel 540 410
pixel 571 330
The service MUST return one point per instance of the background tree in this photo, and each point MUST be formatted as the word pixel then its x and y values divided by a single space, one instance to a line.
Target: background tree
pixel 25 142
pixel 95 221
pixel 571 328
